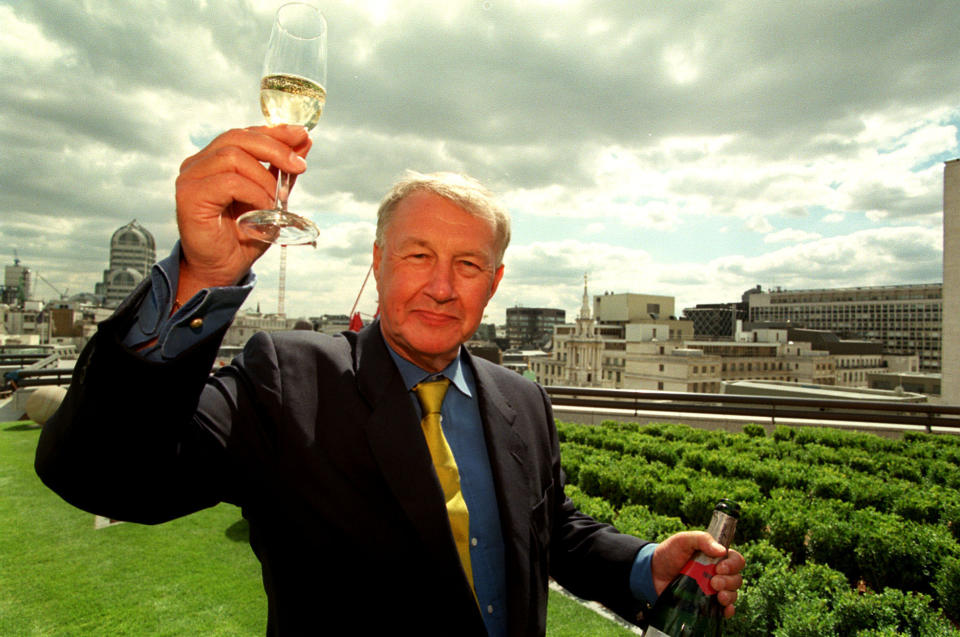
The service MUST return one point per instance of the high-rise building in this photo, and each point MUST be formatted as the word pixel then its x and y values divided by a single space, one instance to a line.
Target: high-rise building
pixel 532 327
pixel 132 253
pixel 17 284
pixel 905 318
pixel 950 368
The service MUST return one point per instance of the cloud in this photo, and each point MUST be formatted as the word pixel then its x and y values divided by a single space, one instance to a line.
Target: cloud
pixel 600 126
pixel 790 235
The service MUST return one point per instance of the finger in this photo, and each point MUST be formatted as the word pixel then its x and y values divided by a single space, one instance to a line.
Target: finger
pixel 213 194
pixel 726 582
pixel 296 138
pixel 710 546
pixel 230 159
pixel 732 563
pixel 269 144
pixel 727 598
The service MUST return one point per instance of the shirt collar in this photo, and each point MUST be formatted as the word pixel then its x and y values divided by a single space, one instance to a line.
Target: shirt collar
pixel 412 374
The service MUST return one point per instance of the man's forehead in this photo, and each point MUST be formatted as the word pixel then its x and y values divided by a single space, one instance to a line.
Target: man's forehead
pixel 423 202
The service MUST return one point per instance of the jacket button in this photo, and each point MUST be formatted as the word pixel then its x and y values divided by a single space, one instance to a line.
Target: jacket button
pixel 196 323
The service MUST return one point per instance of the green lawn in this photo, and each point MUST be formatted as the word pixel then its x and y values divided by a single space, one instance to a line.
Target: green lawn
pixel 192 576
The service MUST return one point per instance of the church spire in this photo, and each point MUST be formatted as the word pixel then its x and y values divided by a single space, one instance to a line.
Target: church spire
pixel 585 306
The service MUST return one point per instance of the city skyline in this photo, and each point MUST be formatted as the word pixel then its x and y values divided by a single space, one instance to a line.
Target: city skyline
pixel 685 149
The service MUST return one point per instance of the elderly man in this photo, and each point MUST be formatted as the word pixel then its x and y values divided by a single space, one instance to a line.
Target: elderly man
pixel 372 505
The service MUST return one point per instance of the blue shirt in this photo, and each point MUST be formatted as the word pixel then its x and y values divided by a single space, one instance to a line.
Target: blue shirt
pixel 213 308
pixel 463 430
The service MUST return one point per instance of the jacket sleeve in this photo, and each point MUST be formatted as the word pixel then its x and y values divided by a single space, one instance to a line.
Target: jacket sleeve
pixel 591 559
pixel 124 443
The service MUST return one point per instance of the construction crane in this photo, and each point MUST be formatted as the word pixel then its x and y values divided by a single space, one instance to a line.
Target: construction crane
pixel 62 295
pixel 283 280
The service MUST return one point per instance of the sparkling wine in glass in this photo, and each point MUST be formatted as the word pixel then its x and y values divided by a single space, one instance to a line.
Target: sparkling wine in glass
pixel 292 91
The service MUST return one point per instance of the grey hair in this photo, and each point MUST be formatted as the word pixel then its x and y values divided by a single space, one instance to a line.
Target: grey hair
pixel 466 192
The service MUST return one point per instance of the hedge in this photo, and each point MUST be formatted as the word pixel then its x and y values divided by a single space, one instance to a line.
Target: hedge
pixel 826 513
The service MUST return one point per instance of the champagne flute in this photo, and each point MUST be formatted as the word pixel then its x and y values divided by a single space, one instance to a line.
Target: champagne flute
pixel 291 92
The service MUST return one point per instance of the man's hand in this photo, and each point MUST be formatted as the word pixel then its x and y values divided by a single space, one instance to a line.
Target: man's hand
pixel 220 183
pixel 673 553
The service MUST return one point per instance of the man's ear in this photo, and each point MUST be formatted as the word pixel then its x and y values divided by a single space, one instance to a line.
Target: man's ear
pixel 496 281
pixel 377 255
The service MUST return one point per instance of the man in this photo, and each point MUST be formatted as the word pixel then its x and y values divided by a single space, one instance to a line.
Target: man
pixel 319 439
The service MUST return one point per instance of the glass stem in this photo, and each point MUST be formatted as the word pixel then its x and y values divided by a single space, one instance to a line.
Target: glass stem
pixel 283 190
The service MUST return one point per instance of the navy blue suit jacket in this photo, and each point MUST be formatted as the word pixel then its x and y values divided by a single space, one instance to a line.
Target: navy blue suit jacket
pixel 316 439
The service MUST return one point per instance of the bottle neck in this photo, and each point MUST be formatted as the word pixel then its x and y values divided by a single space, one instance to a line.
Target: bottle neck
pixel 722 527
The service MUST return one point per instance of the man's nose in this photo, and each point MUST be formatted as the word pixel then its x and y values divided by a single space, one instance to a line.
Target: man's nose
pixel 440 286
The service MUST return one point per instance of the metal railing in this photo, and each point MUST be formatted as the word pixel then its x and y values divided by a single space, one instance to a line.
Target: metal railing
pixel 761 408
pixel 39 372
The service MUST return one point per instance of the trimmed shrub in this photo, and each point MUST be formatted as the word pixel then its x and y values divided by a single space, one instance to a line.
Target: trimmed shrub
pixel 782 601
pixel 951 518
pixel 890 612
pixel 754 430
pixel 946 585
pixel 832 539
pixel 787 525
pixel 782 432
pixel 829 484
pixel 597 508
pixel 760 555
pixel 893 553
pixel 640 521
pixel 920 506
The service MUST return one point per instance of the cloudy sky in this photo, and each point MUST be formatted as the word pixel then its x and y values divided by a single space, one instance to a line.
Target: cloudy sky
pixel 693 149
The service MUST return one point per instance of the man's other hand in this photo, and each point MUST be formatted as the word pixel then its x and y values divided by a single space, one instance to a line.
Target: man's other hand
pixel 673 553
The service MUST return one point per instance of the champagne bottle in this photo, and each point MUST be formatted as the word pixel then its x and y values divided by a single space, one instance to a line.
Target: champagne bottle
pixel 688 607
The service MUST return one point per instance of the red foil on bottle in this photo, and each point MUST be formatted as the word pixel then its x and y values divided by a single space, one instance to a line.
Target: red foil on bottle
pixel 702 574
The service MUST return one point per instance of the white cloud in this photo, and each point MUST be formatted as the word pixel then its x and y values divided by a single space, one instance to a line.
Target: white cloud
pixel 598 125
pixel 790 235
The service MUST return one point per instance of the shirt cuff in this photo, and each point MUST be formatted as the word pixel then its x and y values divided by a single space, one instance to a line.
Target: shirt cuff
pixel 204 313
pixel 641 575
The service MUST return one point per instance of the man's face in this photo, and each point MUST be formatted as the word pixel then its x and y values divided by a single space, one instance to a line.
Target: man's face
pixel 435 273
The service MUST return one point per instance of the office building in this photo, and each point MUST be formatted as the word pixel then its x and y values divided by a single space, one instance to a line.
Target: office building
pixel 532 327
pixel 906 319
pixel 132 253
pixel 719 320
pixel 950 368
pixel 623 308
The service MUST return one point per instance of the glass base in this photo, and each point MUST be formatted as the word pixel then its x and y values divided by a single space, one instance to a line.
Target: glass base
pixel 279 227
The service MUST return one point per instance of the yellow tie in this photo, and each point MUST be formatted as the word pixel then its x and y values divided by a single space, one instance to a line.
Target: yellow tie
pixel 431 395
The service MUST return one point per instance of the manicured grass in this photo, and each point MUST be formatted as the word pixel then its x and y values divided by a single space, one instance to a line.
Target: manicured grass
pixel 192 576
pixel 567 618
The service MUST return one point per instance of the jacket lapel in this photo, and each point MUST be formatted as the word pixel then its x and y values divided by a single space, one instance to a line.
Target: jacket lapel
pixel 397 443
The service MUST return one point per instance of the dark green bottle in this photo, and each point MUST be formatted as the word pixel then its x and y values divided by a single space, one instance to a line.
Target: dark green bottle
pixel 688 607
